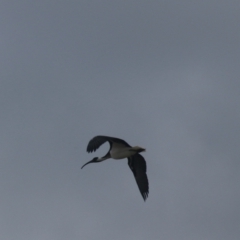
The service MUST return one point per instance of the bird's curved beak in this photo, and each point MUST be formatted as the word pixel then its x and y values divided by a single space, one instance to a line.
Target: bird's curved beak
pixel 92 161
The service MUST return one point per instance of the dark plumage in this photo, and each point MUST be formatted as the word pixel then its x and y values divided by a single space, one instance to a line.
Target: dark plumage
pixel 97 141
pixel 120 149
pixel 139 168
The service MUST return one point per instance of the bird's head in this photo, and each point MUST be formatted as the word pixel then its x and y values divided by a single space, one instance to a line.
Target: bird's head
pixel 138 149
pixel 94 160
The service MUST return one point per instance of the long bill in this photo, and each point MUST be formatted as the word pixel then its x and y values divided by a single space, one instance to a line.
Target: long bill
pixel 92 161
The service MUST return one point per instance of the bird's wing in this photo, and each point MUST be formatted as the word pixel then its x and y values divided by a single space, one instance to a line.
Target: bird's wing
pixel 97 141
pixel 138 166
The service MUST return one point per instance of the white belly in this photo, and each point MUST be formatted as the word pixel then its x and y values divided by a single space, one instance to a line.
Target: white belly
pixel 122 153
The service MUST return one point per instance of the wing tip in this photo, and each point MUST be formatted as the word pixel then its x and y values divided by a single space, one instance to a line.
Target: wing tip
pixel 145 195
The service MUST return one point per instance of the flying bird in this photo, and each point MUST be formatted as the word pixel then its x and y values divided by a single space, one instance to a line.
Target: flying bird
pixel 120 149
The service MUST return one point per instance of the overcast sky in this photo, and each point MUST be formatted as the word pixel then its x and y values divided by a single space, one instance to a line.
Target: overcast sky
pixel 164 75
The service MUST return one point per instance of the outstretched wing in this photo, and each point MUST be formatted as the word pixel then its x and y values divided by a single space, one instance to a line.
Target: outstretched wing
pixel 97 141
pixel 138 166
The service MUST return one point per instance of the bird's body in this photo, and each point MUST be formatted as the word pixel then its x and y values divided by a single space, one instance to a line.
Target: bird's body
pixel 119 149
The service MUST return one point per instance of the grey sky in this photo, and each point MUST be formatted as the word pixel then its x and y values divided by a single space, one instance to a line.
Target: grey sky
pixel 163 75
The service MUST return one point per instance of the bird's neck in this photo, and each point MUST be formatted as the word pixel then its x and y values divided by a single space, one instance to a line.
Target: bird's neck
pixel 107 156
